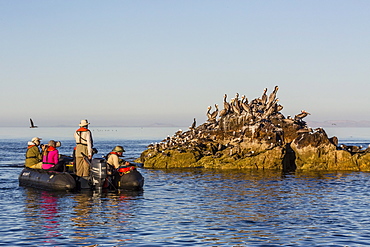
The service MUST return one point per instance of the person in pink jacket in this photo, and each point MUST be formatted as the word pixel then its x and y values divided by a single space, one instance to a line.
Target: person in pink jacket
pixel 50 157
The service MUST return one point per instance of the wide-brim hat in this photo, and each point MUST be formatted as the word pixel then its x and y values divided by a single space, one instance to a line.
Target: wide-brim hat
pixel 118 149
pixel 36 139
pixel 84 122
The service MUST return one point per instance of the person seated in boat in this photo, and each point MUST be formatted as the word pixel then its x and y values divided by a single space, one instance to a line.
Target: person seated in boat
pixel 33 154
pixel 117 166
pixel 50 159
pixel 113 158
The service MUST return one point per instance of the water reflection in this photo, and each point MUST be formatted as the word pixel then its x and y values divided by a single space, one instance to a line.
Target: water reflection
pixel 206 207
pixel 49 213
pixel 97 214
pixel 81 216
pixel 41 208
pixel 84 217
pixel 254 205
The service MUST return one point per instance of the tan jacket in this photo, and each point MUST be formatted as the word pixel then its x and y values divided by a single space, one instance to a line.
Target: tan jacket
pixel 83 136
pixel 115 161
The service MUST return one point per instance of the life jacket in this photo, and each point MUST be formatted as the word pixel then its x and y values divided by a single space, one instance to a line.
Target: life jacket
pixel 114 153
pixel 109 154
pixel 125 169
pixel 46 153
pixel 28 148
pixel 120 161
pixel 79 133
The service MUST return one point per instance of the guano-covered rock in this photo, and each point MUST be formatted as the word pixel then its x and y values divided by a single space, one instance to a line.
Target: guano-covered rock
pixel 255 135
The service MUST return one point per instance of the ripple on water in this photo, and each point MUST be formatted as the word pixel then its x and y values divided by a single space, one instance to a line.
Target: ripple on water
pixel 194 208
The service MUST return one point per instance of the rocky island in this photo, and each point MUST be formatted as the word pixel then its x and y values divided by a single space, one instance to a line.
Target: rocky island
pixel 254 135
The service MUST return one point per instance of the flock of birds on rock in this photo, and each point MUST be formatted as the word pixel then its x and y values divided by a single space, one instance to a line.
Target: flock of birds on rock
pixel 240 112
pixel 258 108
pixel 237 116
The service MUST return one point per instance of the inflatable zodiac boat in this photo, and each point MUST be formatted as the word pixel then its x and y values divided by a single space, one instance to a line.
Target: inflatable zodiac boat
pixel 125 178
pixel 39 178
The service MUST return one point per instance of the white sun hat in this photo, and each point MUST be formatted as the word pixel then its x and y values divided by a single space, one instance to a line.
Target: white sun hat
pixel 36 139
pixel 84 122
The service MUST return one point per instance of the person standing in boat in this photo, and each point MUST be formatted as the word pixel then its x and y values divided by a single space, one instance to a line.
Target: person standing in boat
pixel 33 154
pixel 50 158
pixel 84 146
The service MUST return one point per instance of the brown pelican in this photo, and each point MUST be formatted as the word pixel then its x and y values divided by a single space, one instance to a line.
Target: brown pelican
pixel 263 99
pixel 193 124
pixel 279 108
pixel 288 120
pixel 305 130
pixel 244 99
pixel 271 109
pixel 223 112
pixel 237 101
pixel 235 105
pixel 244 104
pixel 209 113
pixel 273 95
pixel 237 96
pixel 32 125
pixel 226 104
pixel 301 115
pixel 215 113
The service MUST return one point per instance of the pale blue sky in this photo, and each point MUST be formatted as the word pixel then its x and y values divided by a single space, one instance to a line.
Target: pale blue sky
pixel 143 62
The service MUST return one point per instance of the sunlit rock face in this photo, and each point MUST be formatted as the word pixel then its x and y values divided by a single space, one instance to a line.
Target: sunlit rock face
pixel 255 135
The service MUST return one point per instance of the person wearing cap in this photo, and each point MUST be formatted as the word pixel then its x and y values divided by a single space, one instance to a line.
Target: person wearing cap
pixel 84 146
pixel 33 154
pixel 113 157
pixel 50 157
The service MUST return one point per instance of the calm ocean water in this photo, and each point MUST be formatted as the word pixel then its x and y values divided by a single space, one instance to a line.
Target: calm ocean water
pixel 184 207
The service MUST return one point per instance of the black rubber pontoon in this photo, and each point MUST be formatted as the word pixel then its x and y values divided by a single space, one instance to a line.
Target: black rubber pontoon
pixel 49 180
pixel 131 181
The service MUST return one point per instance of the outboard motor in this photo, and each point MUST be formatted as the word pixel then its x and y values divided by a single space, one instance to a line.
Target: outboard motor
pixel 98 172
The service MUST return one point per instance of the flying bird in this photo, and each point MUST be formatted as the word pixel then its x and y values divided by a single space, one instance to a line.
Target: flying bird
pixel 32 124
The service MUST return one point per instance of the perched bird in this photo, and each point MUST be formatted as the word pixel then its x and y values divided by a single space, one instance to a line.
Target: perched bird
pixel 226 104
pixel 301 115
pixel 273 95
pixel 235 105
pixel 279 107
pixel 223 112
pixel 209 113
pixel 288 120
pixel 215 113
pixel 244 99
pixel 244 104
pixel 263 98
pixel 193 124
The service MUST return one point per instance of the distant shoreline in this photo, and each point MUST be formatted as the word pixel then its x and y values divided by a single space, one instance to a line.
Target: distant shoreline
pixel 339 123
pixel 313 124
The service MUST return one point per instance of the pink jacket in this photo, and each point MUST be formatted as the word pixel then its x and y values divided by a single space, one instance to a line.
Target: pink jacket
pixel 51 159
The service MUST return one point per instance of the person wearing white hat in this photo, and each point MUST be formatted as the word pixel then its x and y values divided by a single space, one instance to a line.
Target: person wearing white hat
pixel 33 154
pixel 84 146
